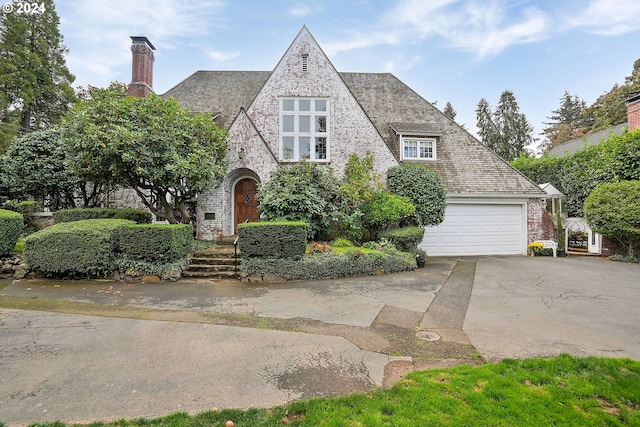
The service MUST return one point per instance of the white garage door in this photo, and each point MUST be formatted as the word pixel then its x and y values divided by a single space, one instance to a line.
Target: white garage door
pixel 470 229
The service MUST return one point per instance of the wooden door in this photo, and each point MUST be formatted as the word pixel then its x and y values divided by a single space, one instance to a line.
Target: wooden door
pixel 245 203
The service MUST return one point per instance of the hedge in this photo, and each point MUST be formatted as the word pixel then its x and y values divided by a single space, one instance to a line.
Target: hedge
pixel 86 247
pixel 11 225
pixel 405 238
pixel 330 266
pixel 79 214
pixel 285 239
pixel 155 243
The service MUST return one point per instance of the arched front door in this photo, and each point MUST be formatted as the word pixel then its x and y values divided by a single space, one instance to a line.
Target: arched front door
pixel 245 202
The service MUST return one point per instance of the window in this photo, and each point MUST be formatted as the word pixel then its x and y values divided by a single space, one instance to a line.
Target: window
pixel 418 148
pixel 305 62
pixel 304 129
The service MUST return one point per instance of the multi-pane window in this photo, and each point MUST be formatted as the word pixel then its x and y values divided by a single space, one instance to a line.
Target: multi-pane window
pixel 304 130
pixel 418 149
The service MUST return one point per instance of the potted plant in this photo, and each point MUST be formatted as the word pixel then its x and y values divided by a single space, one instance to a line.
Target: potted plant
pixel 535 248
pixel 421 257
pixel 560 235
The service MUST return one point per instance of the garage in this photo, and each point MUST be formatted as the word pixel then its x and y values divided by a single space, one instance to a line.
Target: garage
pixel 478 229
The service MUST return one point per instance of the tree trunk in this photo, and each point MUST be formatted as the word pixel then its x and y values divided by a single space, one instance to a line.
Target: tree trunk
pixel 25 121
pixel 184 212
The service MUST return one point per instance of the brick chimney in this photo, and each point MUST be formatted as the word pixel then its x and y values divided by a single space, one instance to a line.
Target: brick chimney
pixel 633 112
pixel 141 67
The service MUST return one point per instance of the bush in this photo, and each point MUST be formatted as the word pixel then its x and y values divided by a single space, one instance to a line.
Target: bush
pixel 88 247
pixel 11 225
pixel 301 192
pixel 284 239
pixel 614 211
pixel 330 266
pixel 423 187
pixel 405 238
pixel 155 242
pixel 384 210
pixel 81 214
pixel 137 215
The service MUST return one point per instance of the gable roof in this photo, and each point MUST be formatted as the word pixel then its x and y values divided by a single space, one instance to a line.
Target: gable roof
pixel 588 140
pixel 464 164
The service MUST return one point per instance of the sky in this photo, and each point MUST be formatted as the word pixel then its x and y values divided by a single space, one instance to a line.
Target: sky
pixel 456 51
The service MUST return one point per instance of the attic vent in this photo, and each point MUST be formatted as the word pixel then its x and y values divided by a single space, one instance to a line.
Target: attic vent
pixel 305 62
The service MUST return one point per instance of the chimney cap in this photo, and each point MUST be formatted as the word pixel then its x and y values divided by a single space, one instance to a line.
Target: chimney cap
pixel 142 40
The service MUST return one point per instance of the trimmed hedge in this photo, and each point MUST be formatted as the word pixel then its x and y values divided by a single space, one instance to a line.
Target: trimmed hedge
pixel 11 225
pixel 405 238
pixel 155 242
pixel 80 214
pixel 285 239
pixel 86 247
pixel 330 266
pixel 97 247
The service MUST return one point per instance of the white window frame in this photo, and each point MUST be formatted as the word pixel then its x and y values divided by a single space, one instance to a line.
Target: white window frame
pixel 418 142
pixel 312 134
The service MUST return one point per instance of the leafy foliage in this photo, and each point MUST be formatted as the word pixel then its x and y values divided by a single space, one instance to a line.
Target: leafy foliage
pixel 423 187
pixel 505 131
pixel 11 225
pixel 405 238
pixel 159 243
pixel 613 209
pixel 301 192
pixel 153 145
pixel 272 239
pixel 36 166
pixel 35 83
pixel 567 122
pixel 384 210
pixel 137 215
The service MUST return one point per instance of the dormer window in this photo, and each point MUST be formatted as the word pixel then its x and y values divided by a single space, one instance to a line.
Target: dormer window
pixel 418 148
pixel 305 62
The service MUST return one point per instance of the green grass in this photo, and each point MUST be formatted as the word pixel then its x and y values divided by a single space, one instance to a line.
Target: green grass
pixel 564 390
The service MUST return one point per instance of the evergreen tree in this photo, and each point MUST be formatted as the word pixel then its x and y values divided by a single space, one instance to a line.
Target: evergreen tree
pixel 506 131
pixel 567 122
pixel 35 83
pixel 610 109
pixel 450 112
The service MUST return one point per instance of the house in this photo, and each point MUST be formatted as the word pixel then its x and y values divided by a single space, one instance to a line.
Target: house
pixel 305 109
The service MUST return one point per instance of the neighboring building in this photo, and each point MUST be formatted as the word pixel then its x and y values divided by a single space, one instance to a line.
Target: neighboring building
pixel 305 109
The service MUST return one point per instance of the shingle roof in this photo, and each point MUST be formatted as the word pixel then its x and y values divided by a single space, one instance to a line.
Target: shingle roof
pixel 464 164
pixel 585 141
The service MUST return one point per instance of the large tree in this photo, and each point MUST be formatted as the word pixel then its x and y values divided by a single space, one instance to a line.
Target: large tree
pixel 506 130
pixel 35 83
pixel 35 167
pixel 610 108
pixel 567 122
pixel 152 145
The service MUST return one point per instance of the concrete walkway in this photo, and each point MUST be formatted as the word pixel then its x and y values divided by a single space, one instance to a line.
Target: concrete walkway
pixel 100 350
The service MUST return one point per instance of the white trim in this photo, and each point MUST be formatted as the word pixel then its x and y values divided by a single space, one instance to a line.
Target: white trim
pixel 296 134
pixel 419 140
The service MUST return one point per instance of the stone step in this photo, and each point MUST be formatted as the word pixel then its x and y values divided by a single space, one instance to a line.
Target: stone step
pixel 209 275
pixel 214 268
pixel 212 260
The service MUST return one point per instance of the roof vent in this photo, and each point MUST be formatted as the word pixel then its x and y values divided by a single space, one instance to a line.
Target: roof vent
pixel 305 62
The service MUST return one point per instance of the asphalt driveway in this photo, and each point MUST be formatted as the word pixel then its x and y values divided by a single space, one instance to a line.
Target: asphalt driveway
pixel 134 350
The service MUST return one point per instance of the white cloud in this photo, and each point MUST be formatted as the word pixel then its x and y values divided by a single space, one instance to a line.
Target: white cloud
pixel 299 10
pixel 97 33
pixel 609 18
pixel 222 56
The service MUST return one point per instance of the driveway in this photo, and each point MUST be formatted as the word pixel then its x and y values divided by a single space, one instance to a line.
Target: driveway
pixel 100 350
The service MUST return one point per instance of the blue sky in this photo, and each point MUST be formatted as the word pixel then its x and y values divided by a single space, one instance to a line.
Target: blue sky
pixel 456 51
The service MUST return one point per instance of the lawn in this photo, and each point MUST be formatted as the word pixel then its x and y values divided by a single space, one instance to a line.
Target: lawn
pixel 563 390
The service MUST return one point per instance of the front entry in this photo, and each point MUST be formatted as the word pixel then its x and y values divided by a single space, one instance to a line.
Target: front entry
pixel 245 202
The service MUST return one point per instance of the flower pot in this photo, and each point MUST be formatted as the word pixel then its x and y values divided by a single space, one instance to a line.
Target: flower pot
pixel 421 263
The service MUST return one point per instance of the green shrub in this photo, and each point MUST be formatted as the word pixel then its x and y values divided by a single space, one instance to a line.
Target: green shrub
pixel 330 266
pixel 11 225
pixel 405 238
pixel 284 239
pixel 423 187
pixel 80 214
pixel 384 210
pixel 341 243
pixel 303 191
pixel 139 216
pixel 88 247
pixel 155 242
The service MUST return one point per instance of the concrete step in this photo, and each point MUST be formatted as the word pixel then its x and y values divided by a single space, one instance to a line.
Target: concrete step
pixel 214 268
pixel 209 275
pixel 213 260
